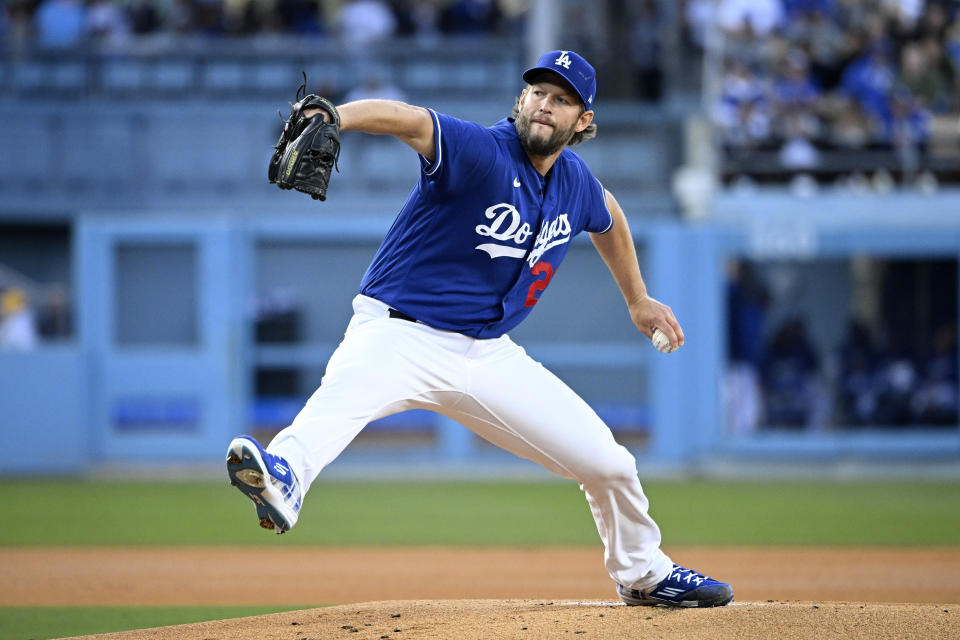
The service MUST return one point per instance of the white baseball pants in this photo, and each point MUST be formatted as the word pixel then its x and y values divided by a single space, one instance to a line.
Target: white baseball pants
pixel 386 365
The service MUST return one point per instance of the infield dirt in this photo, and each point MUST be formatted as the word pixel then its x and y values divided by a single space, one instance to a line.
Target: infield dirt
pixel 434 592
pixel 543 620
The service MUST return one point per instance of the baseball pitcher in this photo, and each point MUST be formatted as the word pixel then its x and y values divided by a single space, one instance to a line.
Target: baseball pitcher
pixel 472 250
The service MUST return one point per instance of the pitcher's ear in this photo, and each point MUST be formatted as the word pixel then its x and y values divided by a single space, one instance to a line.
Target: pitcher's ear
pixel 585 119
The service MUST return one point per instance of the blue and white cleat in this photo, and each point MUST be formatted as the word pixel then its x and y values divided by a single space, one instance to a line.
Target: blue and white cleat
pixel 682 588
pixel 267 480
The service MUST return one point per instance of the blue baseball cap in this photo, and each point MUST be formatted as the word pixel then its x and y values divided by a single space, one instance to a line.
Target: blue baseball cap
pixel 573 68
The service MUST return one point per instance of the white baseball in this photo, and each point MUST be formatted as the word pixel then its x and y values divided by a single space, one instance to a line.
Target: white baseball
pixel 662 342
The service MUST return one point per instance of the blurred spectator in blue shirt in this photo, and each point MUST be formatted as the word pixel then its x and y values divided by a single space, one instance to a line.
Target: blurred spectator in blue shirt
pixel 935 401
pixel 470 17
pixel 795 98
pixel 60 23
pixel 747 301
pixel 869 81
pixel 794 86
pixel 794 397
pixel 743 111
pixel 908 129
pixel 897 380
pixel 859 372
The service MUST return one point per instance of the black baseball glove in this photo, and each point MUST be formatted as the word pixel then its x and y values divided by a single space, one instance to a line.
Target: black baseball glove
pixel 308 148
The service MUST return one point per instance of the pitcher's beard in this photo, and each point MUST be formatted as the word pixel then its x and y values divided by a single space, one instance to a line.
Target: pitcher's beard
pixel 537 146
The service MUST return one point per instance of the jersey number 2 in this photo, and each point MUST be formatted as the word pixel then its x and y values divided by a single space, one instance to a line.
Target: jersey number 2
pixel 539 285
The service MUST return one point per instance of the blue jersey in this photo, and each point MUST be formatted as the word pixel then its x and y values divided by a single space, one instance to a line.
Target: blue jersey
pixel 482 233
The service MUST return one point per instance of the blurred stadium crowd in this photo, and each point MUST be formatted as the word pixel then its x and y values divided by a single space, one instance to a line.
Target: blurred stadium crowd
pixel 69 23
pixel 800 77
pixel 898 368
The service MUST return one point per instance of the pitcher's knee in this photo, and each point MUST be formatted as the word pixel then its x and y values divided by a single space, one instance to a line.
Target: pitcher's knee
pixel 618 467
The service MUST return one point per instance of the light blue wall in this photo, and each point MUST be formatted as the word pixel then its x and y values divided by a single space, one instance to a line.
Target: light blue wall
pixel 44 411
pixel 160 400
pixel 103 401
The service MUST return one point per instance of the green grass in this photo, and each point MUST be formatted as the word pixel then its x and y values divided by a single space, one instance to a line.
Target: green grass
pixel 100 513
pixel 809 513
pixel 40 623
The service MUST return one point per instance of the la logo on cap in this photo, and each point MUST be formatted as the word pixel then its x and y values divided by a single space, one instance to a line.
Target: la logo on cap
pixel 570 66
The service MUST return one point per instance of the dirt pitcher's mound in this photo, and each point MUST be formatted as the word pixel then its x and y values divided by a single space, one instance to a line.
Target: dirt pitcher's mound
pixel 542 620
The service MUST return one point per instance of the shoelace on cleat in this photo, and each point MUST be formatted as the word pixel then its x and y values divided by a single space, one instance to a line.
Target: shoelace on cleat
pixel 682 575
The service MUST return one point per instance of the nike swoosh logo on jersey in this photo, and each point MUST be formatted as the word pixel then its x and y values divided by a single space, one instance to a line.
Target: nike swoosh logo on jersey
pixel 516 182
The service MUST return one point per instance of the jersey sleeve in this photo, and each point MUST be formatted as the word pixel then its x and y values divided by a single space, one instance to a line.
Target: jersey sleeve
pixel 463 152
pixel 599 218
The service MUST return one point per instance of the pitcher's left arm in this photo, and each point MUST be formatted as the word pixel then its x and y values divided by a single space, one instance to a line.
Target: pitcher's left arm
pixel 617 250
